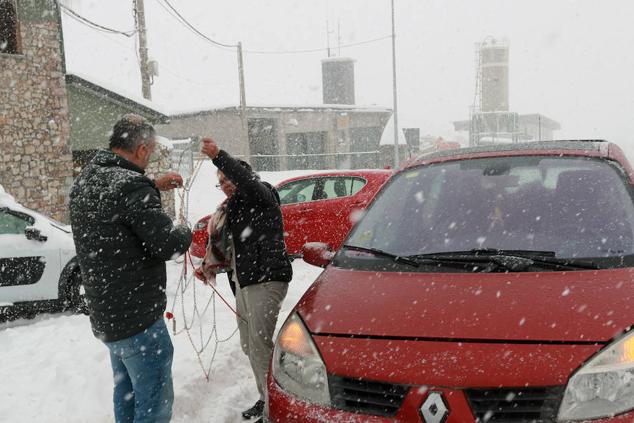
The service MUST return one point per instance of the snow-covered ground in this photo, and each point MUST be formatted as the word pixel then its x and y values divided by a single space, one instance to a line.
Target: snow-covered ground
pixel 53 369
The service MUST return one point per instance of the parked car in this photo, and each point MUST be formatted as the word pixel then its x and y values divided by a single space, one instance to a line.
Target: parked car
pixel 320 207
pixel 38 269
pixel 484 284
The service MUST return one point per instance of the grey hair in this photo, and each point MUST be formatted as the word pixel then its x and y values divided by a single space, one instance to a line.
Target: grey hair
pixel 131 131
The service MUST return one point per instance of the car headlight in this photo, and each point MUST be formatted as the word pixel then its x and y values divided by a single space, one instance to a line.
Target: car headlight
pixel 604 386
pixel 297 365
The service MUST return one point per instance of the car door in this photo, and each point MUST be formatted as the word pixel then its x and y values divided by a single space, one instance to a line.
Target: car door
pixel 296 198
pixel 331 213
pixel 29 268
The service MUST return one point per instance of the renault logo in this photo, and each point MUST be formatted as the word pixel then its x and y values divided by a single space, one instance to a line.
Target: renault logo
pixel 434 409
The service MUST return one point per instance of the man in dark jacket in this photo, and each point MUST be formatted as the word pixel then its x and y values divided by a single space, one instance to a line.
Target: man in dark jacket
pixel 123 238
pixel 260 267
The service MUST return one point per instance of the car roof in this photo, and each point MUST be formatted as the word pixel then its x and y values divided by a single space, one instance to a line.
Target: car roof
pixel 592 148
pixel 344 172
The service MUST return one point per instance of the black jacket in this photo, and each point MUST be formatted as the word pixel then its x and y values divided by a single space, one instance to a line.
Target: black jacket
pixel 256 226
pixel 123 238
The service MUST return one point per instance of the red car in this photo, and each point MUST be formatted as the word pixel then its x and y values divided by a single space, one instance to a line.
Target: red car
pixel 316 208
pixel 485 284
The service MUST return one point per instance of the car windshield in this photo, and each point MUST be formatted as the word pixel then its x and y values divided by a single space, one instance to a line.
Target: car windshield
pixel 575 207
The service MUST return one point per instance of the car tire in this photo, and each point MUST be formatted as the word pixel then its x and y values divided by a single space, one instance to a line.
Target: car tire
pixel 72 299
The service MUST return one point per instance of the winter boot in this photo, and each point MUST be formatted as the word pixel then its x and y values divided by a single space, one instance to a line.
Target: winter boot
pixel 255 411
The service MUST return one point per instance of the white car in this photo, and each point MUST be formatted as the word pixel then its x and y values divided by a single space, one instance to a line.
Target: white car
pixel 38 266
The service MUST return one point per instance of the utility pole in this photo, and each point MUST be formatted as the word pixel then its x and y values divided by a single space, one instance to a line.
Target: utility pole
pixel 243 101
pixel 139 18
pixel 243 98
pixel 395 114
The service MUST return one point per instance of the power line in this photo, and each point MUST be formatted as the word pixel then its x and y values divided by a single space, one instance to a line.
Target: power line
pixel 195 30
pixel 315 50
pixel 70 12
pixel 219 44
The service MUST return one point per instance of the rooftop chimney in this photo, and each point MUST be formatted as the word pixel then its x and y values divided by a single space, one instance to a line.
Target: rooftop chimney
pixel 337 74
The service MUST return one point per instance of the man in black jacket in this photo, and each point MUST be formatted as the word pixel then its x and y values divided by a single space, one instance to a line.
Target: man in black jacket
pixel 123 238
pixel 260 267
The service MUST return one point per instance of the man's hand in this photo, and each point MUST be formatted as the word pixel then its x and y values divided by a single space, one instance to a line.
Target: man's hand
pixel 210 148
pixel 169 181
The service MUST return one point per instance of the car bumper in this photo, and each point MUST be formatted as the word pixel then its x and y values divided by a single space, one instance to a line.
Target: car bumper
pixel 281 407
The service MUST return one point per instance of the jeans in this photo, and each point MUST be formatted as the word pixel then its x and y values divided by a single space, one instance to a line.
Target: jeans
pixel 142 368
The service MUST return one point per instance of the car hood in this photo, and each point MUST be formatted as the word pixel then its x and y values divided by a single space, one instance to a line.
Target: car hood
pixel 578 306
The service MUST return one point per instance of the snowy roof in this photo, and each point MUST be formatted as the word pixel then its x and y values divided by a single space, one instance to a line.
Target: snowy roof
pixel 103 89
pixel 285 108
pixel 338 59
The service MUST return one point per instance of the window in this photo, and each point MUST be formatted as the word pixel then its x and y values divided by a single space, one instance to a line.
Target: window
pixel 13 222
pixel 297 191
pixel 298 145
pixel 341 187
pixel 571 206
pixel 8 27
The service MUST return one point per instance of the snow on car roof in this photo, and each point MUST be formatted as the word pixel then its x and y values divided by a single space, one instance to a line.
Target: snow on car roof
pixel 578 145
pixel 6 199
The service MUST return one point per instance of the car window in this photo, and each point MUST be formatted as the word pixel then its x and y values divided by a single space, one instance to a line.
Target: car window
pixel 297 191
pixel 13 222
pixel 576 207
pixel 335 187
pixel 356 185
pixel 341 186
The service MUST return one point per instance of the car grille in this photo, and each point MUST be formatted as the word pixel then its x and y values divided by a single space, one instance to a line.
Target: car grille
pixel 364 396
pixel 534 405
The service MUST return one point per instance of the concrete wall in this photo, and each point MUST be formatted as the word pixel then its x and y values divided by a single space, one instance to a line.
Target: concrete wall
pixel 35 158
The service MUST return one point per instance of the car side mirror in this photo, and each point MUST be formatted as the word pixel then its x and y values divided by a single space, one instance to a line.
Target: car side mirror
pixel 317 253
pixel 34 234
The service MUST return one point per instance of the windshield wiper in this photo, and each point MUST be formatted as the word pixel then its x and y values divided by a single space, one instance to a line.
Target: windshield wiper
pixel 381 253
pixel 516 260
pixel 482 260
pixel 480 252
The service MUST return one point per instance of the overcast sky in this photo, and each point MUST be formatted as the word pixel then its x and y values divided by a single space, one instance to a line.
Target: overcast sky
pixel 569 60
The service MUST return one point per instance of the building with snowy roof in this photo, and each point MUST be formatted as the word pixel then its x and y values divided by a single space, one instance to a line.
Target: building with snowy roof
pixel 271 137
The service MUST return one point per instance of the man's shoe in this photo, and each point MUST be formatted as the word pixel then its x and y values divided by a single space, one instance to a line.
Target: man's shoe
pixel 255 411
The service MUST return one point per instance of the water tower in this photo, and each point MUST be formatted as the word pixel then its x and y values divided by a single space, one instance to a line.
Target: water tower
pixel 491 120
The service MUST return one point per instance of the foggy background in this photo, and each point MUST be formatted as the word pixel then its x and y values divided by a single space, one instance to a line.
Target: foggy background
pixel 570 60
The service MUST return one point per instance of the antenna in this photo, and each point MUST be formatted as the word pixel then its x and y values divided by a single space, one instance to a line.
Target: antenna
pixel 339 36
pixel 328 32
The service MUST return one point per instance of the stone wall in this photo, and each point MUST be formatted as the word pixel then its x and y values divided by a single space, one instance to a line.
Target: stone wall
pixel 35 158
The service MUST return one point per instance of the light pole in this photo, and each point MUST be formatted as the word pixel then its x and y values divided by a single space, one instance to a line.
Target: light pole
pixel 395 113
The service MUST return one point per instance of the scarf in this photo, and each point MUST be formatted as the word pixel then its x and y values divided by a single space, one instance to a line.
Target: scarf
pixel 218 251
